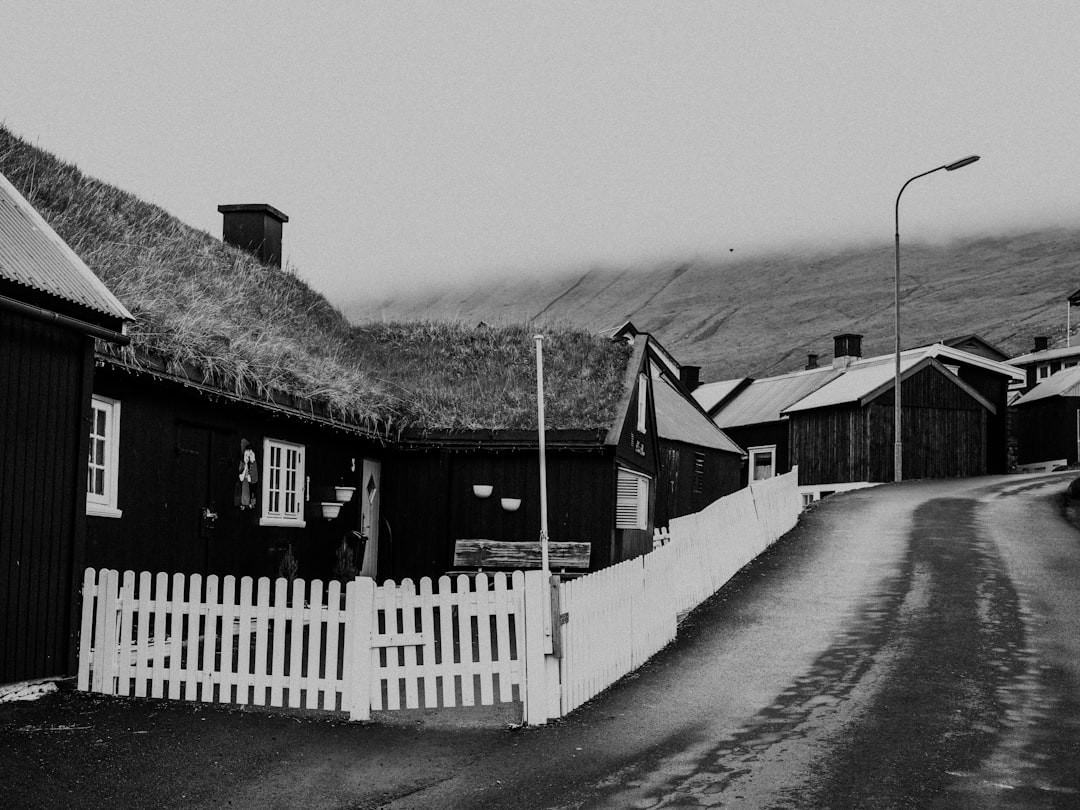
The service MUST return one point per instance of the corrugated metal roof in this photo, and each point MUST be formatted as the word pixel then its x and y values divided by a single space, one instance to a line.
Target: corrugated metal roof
pixel 860 379
pixel 763 400
pixel 709 394
pixel 678 420
pixel 31 254
pixel 1045 355
pixel 1065 383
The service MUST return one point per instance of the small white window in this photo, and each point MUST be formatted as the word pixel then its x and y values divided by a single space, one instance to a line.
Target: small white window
pixel 762 462
pixel 642 402
pixel 284 482
pixel 103 466
pixel 632 500
pixel 1044 372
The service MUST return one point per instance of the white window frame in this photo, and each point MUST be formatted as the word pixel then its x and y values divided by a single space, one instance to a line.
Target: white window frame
pixel 104 503
pixel 763 449
pixel 282 481
pixel 631 500
pixel 642 403
pixel 1044 371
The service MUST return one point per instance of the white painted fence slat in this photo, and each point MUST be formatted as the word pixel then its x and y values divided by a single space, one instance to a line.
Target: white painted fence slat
pixel 428 630
pixel 444 600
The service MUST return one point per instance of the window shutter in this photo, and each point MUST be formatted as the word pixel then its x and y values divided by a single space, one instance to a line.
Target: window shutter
pixel 631 501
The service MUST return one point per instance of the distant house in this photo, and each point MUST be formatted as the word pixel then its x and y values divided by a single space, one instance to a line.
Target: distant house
pixel 52 309
pixel 1045 406
pixel 792 418
pixel 1048 422
pixel 647 455
pixel 1042 361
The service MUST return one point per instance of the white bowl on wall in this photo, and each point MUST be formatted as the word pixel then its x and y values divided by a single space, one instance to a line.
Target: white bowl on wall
pixel 330 509
pixel 344 494
pixel 511 504
pixel 482 490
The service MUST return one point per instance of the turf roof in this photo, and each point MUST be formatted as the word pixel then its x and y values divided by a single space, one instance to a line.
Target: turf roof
pixel 211 310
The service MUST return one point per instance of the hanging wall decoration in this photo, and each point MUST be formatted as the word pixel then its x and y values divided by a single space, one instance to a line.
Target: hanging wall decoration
pixel 244 496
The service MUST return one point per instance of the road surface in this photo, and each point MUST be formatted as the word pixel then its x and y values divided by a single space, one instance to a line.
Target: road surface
pixel 907 646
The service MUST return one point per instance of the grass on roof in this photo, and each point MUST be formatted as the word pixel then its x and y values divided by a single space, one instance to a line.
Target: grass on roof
pixel 257 330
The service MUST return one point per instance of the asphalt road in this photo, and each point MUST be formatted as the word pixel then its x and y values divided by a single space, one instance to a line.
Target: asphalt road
pixel 906 646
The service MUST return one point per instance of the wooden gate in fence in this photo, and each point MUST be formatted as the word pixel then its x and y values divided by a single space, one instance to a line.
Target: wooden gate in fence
pixel 352 649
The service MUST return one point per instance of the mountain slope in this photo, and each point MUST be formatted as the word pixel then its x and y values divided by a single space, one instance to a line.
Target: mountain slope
pixel 763 315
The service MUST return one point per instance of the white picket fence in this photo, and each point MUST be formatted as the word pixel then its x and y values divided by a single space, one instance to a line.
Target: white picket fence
pixel 470 641
pixel 355 650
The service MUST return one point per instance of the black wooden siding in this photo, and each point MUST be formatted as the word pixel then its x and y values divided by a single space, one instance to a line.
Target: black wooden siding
pixel 1046 430
pixel 676 492
pixel 45 399
pixel 428 503
pixel 763 435
pixel 945 435
pixel 180 452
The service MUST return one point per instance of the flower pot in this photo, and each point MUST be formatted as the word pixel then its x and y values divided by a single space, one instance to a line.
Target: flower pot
pixel 511 504
pixel 482 490
pixel 330 509
pixel 344 494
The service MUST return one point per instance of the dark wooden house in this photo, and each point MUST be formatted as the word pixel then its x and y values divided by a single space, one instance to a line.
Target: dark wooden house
pixel 699 463
pixel 843 432
pixel 52 308
pixel 1048 422
pixel 178 504
pixel 608 484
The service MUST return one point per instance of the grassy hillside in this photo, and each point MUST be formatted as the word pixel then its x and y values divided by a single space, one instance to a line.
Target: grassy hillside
pixel 763 315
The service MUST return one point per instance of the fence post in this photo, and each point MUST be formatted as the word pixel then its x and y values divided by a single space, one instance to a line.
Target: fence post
pixel 356 669
pixel 535 699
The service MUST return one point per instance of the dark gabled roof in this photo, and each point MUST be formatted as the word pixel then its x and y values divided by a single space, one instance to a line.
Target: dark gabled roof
pixel 33 256
pixel 678 419
pixel 976 344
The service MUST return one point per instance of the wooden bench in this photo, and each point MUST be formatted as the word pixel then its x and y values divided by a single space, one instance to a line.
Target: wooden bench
pixel 474 556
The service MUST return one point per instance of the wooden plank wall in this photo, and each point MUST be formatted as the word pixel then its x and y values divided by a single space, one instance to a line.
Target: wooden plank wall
pixel 675 493
pixel 945 435
pixel 44 397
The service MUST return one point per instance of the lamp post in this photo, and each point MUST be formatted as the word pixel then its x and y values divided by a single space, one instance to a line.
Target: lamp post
pixel 898 453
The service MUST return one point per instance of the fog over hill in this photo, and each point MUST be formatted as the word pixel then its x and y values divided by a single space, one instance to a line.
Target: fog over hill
pixel 762 315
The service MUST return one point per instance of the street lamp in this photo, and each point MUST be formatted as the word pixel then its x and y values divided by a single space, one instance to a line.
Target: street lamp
pixel 898 454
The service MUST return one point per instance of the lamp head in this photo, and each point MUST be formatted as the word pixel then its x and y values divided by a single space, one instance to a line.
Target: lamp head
pixel 959 164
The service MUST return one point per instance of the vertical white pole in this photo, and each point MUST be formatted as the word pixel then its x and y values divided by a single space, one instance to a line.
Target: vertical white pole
pixel 543 455
pixel 544 566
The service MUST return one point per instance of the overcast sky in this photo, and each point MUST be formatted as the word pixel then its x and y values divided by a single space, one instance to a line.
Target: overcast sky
pixel 420 142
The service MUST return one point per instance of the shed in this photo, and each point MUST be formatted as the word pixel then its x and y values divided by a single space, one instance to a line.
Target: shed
pixel 843 431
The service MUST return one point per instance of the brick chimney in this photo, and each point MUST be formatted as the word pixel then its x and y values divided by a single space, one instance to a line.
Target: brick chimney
pixel 846 350
pixel 254 227
pixel 1042 343
pixel 811 361
pixel 690 377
